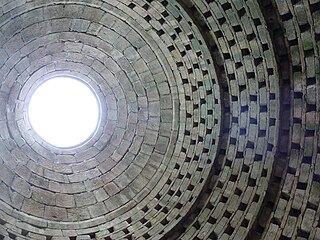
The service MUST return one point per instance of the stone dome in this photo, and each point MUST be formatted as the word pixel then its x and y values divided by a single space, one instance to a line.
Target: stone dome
pixel 209 120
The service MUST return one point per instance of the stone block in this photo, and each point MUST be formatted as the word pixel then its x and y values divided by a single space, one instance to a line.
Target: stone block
pixel 33 208
pixel 22 187
pixel 43 196
pixel 6 175
pixel 84 199
pixel 55 213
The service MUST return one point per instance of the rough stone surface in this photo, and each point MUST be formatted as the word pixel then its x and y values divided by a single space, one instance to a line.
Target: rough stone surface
pixel 209 122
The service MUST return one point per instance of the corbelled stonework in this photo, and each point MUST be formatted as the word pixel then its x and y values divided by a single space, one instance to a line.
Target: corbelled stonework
pixel 209 128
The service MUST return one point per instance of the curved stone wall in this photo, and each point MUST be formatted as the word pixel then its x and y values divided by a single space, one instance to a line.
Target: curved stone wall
pixel 209 126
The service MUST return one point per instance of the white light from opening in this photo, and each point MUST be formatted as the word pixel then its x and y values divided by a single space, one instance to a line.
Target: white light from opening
pixel 64 112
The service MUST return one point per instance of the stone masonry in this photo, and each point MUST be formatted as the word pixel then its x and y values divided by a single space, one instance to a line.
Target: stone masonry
pixel 209 125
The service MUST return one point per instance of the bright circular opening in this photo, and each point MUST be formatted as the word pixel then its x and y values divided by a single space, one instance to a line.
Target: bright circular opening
pixel 64 112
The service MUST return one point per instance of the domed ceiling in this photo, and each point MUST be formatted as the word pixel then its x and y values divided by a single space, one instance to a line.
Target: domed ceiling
pixel 209 123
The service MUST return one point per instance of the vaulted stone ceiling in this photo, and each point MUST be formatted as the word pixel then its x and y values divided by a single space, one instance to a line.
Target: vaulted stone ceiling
pixel 209 129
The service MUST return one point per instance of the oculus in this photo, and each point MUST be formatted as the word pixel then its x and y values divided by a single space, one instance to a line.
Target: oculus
pixel 64 112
